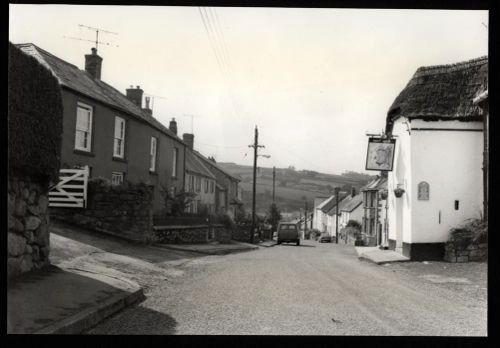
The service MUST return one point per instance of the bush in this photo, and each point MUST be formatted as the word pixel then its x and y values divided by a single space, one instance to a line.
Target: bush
pixel 351 231
pixel 472 232
pixel 354 224
pixel 35 116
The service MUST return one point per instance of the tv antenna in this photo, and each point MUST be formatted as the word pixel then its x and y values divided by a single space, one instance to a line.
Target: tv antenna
pixel 97 42
pixel 152 96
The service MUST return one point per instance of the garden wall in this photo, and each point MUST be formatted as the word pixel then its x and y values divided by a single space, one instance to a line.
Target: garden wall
pixel 35 115
pixel 123 210
pixel 28 223
pixel 191 234
pixel 471 252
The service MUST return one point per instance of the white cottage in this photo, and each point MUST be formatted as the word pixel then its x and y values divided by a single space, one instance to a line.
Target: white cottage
pixel 351 208
pixel 438 158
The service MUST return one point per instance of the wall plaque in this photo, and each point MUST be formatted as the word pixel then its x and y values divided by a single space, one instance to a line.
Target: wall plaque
pixel 423 191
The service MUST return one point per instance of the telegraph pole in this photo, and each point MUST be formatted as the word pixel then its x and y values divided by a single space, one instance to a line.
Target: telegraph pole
pixel 305 220
pixel 337 190
pixel 274 180
pixel 255 148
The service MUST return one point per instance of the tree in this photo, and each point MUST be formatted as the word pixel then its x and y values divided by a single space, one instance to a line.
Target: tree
pixel 177 203
pixel 274 216
pixel 240 213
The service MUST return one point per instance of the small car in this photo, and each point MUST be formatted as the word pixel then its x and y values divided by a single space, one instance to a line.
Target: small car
pixel 288 232
pixel 325 239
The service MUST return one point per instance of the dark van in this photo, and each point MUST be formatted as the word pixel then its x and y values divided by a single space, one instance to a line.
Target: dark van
pixel 288 232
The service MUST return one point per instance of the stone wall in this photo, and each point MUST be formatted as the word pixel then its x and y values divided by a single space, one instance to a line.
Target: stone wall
pixel 28 226
pixel 242 234
pixel 471 252
pixel 124 210
pixel 191 234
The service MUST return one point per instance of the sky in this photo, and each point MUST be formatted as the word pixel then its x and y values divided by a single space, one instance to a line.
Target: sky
pixel 314 81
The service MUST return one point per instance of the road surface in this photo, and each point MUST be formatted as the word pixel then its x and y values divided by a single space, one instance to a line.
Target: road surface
pixel 311 289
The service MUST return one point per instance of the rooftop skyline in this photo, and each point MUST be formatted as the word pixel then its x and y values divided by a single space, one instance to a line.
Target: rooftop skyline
pixel 313 80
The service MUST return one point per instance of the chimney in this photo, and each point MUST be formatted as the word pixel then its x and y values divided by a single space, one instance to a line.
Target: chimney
pixel 93 64
pixel 173 126
pixel 147 109
pixel 135 95
pixel 188 139
pixel 353 191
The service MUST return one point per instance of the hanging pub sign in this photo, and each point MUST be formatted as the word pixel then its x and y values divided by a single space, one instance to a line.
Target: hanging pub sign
pixel 380 154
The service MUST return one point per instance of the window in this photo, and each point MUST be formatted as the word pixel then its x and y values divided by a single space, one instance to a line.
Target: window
pixel 198 184
pixel 206 185
pixel 212 186
pixel 174 163
pixel 191 183
pixel 152 161
pixel 83 134
pixel 116 178
pixel 119 144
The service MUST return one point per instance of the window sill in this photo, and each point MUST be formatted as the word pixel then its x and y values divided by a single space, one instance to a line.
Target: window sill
pixel 119 159
pixel 84 153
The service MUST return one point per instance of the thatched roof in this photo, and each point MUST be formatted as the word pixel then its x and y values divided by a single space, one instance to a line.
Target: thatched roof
pixel 442 92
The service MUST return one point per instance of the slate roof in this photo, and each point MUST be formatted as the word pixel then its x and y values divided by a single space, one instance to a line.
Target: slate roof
pixel 82 82
pixel 211 163
pixel 377 184
pixel 329 208
pixel 442 92
pixel 325 202
pixel 350 203
pixel 195 166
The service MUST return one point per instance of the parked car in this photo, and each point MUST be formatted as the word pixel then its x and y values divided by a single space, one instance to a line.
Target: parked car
pixel 326 238
pixel 289 233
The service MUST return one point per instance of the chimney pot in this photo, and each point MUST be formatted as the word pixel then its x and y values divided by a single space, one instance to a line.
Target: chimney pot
pixel 135 95
pixel 173 126
pixel 353 191
pixel 188 139
pixel 93 64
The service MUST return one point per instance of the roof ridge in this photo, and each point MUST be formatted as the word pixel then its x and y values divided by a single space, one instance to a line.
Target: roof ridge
pixel 48 53
pixel 444 68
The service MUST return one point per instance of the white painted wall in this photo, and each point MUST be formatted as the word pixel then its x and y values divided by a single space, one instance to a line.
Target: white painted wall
pixel 451 162
pixel 356 214
pixel 399 208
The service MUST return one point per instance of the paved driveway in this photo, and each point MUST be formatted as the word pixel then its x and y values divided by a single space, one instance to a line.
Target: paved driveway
pixel 312 289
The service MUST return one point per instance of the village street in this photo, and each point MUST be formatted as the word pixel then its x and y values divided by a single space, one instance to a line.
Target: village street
pixel 312 289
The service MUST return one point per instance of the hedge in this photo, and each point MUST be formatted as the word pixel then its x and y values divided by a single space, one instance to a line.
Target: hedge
pixel 35 116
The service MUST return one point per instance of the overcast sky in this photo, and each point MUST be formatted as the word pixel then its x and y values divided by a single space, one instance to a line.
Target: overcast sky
pixel 312 80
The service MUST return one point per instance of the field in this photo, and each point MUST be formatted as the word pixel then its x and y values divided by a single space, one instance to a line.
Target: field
pixel 284 192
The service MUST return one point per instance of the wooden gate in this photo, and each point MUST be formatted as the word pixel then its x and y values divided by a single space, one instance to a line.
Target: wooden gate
pixel 71 190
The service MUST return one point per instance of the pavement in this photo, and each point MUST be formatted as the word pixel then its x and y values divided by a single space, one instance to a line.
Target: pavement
pixel 65 301
pixel 108 274
pixel 218 248
pixel 311 289
pixel 379 256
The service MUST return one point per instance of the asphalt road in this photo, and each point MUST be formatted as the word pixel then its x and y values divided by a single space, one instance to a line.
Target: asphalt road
pixel 312 289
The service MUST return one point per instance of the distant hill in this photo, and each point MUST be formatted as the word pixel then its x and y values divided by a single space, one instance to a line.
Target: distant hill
pixel 293 187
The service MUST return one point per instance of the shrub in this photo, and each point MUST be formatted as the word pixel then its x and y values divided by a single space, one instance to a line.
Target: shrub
pixel 351 231
pixel 354 224
pixel 35 115
pixel 473 231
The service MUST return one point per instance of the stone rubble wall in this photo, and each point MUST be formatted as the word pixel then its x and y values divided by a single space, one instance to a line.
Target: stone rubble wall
pixel 241 234
pixel 125 211
pixel 191 234
pixel 28 226
pixel 472 252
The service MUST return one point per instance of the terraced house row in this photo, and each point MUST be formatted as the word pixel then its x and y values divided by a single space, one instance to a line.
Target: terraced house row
pixel 120 140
